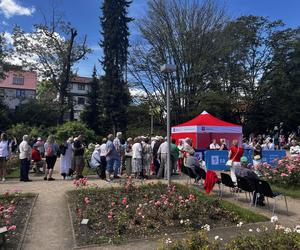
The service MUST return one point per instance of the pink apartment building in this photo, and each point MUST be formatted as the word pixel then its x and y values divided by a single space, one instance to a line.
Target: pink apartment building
pixel 18 86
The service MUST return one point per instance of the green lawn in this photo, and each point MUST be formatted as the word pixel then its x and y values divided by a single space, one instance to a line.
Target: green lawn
pixel 14 174
pixel 293 192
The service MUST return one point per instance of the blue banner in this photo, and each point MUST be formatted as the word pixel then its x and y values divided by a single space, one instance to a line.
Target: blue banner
pixel 270 156
pixel 216 159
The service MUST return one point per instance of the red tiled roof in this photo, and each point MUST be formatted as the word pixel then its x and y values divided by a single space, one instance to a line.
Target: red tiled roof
pixel 81 79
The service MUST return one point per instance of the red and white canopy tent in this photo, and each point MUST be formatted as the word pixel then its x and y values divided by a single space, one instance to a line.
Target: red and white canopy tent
pixel 204 128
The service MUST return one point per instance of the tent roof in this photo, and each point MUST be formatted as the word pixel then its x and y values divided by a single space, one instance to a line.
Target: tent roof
pixel 206 119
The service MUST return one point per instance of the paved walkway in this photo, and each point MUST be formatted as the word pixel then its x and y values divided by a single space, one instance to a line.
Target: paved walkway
pixel 50 227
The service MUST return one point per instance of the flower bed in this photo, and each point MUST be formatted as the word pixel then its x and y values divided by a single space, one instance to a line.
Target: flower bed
pixel 14 211
pixel 262 238
pixel 136 212
pixel 286 172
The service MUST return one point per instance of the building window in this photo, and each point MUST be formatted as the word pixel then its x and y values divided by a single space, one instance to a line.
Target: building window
pixel 81 87
pixel 18 80
pixel 20 93
pixel 81 100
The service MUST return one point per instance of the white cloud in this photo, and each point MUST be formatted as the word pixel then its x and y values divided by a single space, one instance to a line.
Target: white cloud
pixel 135 92
pixel 4 23
pixel 11 8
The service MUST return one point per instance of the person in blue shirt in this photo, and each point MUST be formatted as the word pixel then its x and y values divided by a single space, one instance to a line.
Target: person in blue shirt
pixel 112 158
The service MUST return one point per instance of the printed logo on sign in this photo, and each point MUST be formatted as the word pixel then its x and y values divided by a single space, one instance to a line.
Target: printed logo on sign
pixel 198 155
pixel 215 160
pixel 203 128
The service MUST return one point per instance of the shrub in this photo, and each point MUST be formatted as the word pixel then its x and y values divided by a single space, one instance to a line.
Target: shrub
pixel 20 129
pixel 285 173
pixel 74 128
pixel 197 240
pixel 280 239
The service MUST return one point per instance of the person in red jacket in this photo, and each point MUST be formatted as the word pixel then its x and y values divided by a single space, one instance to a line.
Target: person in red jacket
pixel 235 154
pixel 37 159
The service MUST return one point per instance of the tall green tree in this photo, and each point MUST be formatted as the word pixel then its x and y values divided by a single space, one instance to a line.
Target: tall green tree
pixel 92 112
pixel 115 43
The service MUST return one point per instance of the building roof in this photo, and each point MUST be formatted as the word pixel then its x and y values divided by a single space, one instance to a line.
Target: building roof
pixel 81 79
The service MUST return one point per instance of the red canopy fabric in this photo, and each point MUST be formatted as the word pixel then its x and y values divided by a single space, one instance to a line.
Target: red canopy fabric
pixel 206 119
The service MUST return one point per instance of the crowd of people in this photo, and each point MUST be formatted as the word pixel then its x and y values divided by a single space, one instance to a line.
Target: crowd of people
pixel 140 157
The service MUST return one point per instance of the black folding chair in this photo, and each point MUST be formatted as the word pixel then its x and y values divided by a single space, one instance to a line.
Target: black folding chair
pixel 263 188
pixel 191 174
pixel 184 170
pixel 244 184
pixel 201 173
pixel 227 181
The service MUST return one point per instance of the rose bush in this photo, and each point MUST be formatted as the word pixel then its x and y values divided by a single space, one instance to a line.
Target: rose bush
pixel 142 211
pixel 286 172
pixel 14 209
pixel 277 238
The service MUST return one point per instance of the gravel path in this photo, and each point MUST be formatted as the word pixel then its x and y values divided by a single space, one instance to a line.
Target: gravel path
pixel 49 226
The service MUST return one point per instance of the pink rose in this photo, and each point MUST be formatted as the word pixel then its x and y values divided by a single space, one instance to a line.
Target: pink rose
pixel 110 216
pixel 113 203
pixel 12 228
pixel 157 203
pixel 87 200
pixel 284 175
pixel 192 197
pixel 124 201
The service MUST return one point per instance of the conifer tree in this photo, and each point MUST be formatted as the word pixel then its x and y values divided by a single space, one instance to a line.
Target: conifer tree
pixel 115 45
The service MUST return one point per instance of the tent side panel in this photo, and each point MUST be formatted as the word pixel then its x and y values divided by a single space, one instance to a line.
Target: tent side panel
pixel 178 136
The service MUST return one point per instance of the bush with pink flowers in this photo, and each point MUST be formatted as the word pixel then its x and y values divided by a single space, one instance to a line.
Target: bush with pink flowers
pixel 286 172
pixel 137 212
pixel 14 210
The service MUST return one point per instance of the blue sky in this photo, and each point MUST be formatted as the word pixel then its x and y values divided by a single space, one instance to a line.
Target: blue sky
pixel 84 15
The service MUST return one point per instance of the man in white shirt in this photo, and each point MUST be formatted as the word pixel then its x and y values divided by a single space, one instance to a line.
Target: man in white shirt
pixel 214 145
pixel 25 156
pixel 163 155
pixel 137 149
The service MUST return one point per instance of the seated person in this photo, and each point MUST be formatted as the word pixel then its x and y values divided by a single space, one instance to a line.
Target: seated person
pixel 192 163
pixel 294 149
pixel 37 159
pixel 244 171
pixel 214 145
pixel 95 161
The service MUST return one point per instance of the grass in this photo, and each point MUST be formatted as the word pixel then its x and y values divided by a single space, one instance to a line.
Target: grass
pixel 15 173
pixel 246 214
pixel 293 192
pixel 88 171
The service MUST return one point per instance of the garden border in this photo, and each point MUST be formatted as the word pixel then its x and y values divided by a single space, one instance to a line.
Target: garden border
pixel 27 222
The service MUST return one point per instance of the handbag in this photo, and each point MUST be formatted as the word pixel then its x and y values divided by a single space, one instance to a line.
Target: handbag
pixel 229 163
